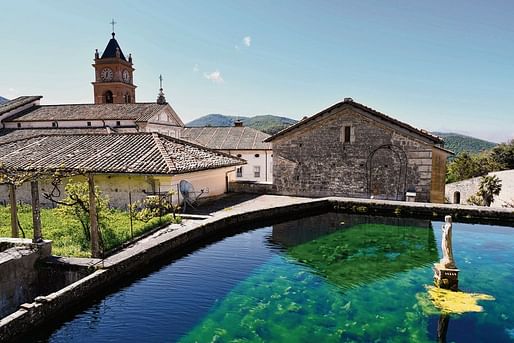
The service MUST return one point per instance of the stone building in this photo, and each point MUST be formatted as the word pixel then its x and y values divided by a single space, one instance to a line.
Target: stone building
pixel 352 150
pixel 239 141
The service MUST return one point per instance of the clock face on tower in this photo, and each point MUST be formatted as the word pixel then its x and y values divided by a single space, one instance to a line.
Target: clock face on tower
pixel 126 76
pixel 106 74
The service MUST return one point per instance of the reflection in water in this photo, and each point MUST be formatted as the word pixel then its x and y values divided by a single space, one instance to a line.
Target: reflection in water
pixel 356 250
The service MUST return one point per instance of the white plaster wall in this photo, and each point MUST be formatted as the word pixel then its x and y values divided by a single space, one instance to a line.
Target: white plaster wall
pixel 264 161
pixel 469 187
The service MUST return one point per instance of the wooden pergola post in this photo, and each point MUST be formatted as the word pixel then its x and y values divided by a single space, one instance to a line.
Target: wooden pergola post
pixel 36 212
pixel 93 220
pixel 14 211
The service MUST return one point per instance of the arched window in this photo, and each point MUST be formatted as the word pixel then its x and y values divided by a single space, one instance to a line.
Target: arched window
pixel 456 197
pixel 108 97
pixel 126 97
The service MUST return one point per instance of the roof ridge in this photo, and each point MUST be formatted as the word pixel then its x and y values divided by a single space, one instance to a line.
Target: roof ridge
pixel 167 159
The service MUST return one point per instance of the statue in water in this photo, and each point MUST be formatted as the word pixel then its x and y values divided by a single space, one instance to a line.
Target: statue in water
pixel 446 244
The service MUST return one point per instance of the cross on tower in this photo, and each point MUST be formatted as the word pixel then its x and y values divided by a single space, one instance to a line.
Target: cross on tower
pixel 113 23
pixel 160 81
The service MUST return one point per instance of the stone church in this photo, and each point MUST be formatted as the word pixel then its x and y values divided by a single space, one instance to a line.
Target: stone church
pixel 130 147
pixel 352 150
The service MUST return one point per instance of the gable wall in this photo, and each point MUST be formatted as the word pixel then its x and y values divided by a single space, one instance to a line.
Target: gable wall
pixel 314 161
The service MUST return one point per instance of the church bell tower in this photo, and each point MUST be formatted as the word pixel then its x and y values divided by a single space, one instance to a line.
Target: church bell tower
pixel 114 83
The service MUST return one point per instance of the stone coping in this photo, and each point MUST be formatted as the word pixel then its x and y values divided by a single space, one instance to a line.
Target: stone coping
pixel 173 237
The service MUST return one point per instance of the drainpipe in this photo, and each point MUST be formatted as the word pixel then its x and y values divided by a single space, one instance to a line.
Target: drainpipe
pixel 266 165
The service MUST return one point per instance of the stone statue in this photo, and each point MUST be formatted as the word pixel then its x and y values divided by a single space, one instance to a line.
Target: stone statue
pixel 446 244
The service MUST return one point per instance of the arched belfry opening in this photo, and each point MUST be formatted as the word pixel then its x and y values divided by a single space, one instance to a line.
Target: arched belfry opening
pixel 108 97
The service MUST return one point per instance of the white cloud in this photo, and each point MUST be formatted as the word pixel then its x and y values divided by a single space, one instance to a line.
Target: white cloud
pixel 196 68
pixel 247 41
pixel 215 77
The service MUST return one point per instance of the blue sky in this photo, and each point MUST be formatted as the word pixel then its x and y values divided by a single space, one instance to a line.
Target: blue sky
pixel 438 65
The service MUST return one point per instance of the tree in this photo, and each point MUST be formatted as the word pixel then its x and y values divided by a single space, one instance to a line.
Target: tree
pixel 503 155
pixel 490 186
pixel 76 205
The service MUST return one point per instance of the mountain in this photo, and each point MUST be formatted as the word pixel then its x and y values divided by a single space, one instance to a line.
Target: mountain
pixel 461 143
pixel 2 100
pixel 266 123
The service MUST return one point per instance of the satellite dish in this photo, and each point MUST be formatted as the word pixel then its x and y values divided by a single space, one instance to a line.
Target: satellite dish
pixel 189 194
pixel 186 189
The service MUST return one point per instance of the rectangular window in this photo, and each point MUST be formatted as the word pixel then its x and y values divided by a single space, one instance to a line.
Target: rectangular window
pixel 239 172
pixel 18 125
pixel 256 171
pixel 88 123
pixel 347 133
pixel 118 123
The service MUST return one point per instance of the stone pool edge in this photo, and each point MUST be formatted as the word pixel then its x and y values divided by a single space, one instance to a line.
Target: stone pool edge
pixel 166 240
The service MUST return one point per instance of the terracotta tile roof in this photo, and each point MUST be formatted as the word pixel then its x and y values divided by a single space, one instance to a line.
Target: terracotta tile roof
pixel 348 102
pixel 18 102
pixel 8 135
pixel 137 112
pixel 227 138
pixel 137 153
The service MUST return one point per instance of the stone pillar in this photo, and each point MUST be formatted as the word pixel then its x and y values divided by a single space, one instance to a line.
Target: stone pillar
pixel 93 219
pixel 36 212
pixel 14 211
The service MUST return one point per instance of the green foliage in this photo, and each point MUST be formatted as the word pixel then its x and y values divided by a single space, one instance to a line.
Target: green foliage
pixel 155 207
pixel 67 234
pixel 466 166
pixel 490 186
pixel 460 143
pixel 76 205
pixel 503 154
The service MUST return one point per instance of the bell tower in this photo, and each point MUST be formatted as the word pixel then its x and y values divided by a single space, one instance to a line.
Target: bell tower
pixel 114 83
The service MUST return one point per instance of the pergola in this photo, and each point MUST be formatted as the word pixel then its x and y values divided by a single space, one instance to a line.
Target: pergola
pixel 31 159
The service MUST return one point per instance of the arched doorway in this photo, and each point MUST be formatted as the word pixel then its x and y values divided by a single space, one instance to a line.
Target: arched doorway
pixel 456 197
pixel 387 173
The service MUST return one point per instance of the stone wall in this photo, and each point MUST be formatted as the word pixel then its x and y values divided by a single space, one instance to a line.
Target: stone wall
pixel 18 272
pixel 251 187
pixel 379 161
pixel 459 192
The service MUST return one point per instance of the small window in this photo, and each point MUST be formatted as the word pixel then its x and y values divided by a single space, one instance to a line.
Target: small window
pixel 18 125
pixel 239 172
pixel 256 171
pixel 238 155
pixel 118 123
pixel 257 155
pixel 88 123
pixel 347 133
pixel 54 124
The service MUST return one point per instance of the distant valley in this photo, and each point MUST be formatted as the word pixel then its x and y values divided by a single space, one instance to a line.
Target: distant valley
pixel 271 124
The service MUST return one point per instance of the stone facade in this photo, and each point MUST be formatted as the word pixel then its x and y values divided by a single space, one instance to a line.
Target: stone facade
pixel 348 152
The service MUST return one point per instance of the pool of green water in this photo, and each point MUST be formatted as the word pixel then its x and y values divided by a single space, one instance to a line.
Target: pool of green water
pixel 366 281
pixel 327 278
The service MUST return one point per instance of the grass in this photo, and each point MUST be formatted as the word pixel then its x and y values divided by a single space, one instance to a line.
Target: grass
pixel 67 233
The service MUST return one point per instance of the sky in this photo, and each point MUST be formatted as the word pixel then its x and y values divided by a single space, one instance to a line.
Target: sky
pixel 437 65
